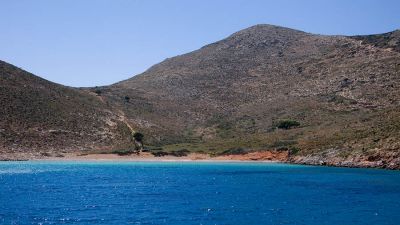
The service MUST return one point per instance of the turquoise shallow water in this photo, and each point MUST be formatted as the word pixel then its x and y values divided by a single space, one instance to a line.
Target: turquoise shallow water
pixel 195 193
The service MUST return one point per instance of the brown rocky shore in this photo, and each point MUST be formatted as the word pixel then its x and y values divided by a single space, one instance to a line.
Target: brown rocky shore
pixel 387 160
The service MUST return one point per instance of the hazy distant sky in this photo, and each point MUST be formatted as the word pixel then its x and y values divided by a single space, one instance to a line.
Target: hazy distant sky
pixel 93 42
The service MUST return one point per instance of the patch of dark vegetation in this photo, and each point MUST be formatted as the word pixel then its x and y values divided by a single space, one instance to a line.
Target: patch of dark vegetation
pixel 151 148
pixel 294 150
pixel 287 124
pixel 346 82
pixel 282 149
pixel 121 152
pixel 160 154
pixel 138 136
pixel 299 69
pixel 180 153
pixel 98 91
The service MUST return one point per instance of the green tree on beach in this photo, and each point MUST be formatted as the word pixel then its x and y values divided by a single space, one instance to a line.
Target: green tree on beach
pixel 138 136
pixel 138 139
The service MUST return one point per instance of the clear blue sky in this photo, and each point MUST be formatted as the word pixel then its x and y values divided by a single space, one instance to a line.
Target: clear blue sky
pixel 95 42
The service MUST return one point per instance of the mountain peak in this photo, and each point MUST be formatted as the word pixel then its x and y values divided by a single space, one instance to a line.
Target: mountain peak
pixel 259 35
pixel 266 29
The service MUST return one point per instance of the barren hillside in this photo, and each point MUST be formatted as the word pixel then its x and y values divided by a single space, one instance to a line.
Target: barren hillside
pixel 39 116
pixel 265 87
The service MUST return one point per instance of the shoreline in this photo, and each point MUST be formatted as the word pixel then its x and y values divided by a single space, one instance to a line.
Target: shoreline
pixel 151 160
pixel 253 157
pixel 269 156
pixel 146 157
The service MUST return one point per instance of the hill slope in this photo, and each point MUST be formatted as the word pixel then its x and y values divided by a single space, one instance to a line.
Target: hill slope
pixel 342 90
pixel 326 99
pixel 37 115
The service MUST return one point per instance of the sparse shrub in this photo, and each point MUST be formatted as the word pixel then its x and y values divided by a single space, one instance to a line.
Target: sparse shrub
pixel 180 153
pixel 281 149
pixel 345 83
pixel 294 150
pixel 153 148
pixel 127 98
pixel 160 154
pixel 122 152
pixel 300 69
pixel 287 124
pixel 97 90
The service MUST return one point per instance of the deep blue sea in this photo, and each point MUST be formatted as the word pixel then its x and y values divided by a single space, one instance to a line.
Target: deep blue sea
pixel 195 193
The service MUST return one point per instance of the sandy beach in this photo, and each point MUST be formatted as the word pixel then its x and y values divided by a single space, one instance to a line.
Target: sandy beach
pixel 264 156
